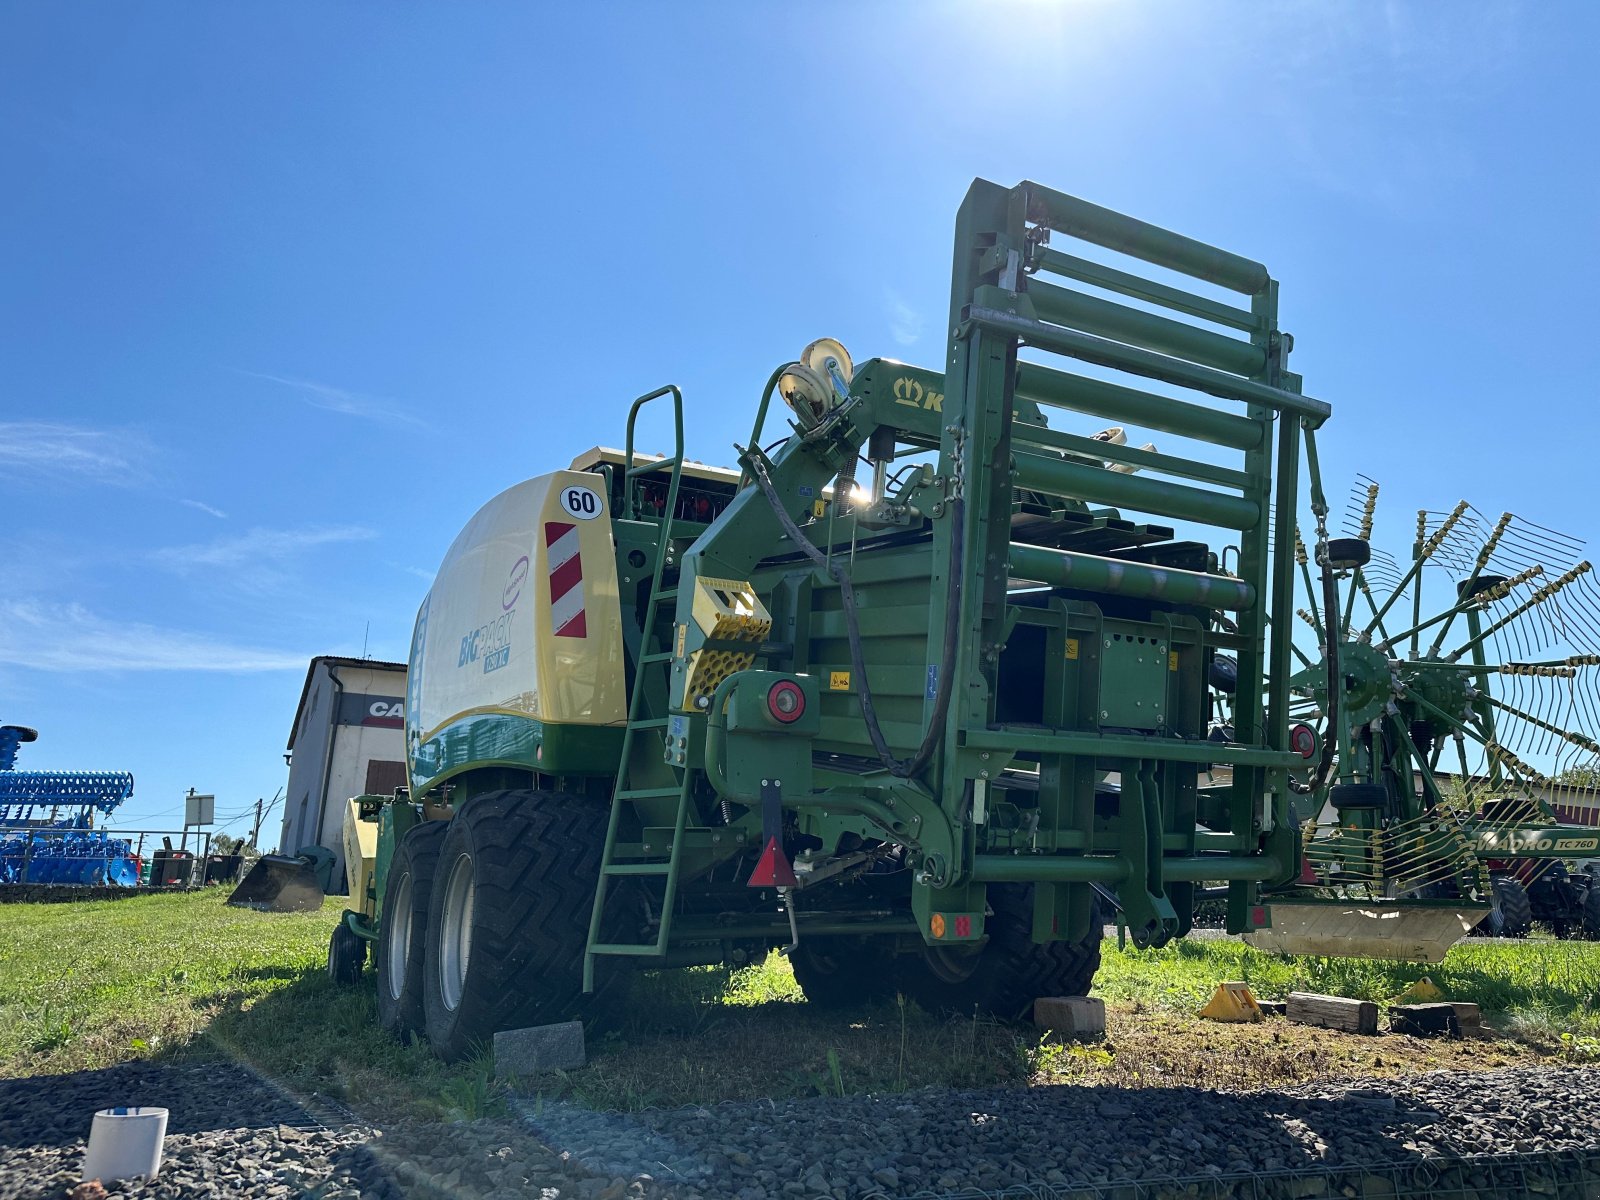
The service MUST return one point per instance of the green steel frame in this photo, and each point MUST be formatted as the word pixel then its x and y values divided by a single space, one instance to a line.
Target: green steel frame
pixel 921 609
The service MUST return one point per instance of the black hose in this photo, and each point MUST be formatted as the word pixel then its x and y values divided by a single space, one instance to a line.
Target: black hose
pixel 901 768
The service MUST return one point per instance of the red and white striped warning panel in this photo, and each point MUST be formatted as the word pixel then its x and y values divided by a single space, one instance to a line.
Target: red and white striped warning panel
pixel 566 579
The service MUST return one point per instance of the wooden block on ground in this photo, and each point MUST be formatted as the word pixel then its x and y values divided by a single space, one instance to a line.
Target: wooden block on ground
pixel 539 1048
pixel 1424 1020
pixel 1071 1016
pixel 1469 1018
pixel 1332 1012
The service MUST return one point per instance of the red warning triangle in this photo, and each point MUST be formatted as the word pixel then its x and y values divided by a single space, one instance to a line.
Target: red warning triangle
pixel 1307 873
pixel 772 868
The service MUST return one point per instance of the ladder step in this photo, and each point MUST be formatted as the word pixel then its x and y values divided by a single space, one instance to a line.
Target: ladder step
pixel 622 948
pixel 652 723
pixel 658 656
pixel 646 793
pixel 636 868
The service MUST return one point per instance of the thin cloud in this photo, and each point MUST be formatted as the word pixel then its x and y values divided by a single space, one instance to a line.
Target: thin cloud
pixel 68 637
pixel 206 508
pixel 257 548
pixel 342 400
pixel 56 449
pixel 905 323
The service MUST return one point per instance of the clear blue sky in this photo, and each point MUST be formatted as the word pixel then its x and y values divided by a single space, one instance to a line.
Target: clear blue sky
pixel 288 290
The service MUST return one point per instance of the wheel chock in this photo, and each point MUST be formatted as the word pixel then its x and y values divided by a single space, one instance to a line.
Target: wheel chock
pixel 1423 991
pixel 1232 1002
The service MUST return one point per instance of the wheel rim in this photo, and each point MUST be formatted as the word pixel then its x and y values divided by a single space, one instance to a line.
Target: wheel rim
pixel 455 931
pixel 397 937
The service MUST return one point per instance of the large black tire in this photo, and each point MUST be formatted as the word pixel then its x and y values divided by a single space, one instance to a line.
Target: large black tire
pixel 1511 902
pixel 843 972
pixel 402 942
pixel 1011 971
pixel 347 954
pixel 509 917
pixel 1591 910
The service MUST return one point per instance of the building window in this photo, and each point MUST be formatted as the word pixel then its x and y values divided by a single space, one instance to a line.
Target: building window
pixel 383 776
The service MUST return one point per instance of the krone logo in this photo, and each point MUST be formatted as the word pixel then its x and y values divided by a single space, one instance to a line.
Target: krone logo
pixel 514 582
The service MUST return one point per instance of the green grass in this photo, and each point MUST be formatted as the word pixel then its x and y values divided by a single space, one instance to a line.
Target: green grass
pixel 1537 987
pixel 181 978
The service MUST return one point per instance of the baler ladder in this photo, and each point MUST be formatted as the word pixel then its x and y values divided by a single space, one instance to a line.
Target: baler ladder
pixel 640 720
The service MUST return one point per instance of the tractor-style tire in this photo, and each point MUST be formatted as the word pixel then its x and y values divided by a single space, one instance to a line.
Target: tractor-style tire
pixel 399 954
pixel 347 954
pixel 843 972
pixel 1011 971
pixel 509 918
pixel 1591 911
pixel 1511 902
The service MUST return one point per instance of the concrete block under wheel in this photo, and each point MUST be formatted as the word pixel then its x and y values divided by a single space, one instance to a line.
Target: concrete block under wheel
pixel 1071 1016
pixel 538 1048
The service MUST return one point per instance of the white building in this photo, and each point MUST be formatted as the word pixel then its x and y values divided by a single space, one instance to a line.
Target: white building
pixel 348 738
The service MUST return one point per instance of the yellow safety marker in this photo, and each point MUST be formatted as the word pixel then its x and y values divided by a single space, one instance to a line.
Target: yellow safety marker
pixel 1233 1002
pixel 1423 991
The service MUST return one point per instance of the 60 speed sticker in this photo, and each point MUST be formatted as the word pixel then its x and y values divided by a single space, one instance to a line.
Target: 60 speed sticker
pixel 581 502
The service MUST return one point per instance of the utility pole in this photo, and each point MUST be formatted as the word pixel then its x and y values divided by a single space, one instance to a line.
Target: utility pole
pixel 255 830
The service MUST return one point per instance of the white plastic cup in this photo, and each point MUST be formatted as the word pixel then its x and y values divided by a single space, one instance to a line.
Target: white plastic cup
pixel 125 1143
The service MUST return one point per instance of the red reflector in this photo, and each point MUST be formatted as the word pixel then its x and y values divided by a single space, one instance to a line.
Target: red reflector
pixel 1303 741
pixel 963 927
pixel 785 701
pixel 1258 916
pixel 772 868
pixel 1307 873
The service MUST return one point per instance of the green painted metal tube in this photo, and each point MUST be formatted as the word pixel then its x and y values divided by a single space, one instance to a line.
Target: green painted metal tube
pixel 1092 573
pixel 1112 280
pixel 1029 434
pixel 1137 361
pixel 810 924
pixel 1058 477
pixel 1114 402
pixel 1045 868
pixel 1063 306
pixel 1094 745
pixel 1128 235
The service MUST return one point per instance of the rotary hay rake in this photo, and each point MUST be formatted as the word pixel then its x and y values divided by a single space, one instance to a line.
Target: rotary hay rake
pixel 1501 672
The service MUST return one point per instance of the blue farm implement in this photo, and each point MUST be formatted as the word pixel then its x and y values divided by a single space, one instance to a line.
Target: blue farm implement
pixel 47 833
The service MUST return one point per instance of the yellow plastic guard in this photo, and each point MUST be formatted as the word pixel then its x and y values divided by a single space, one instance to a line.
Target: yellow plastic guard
pixel 725 610
pixel 1423 991
pixel 1232 1002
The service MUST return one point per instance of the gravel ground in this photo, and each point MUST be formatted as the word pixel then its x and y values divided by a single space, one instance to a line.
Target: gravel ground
pixel 232 1134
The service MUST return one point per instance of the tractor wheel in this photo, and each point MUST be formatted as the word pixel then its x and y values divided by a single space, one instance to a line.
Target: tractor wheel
pixel 1011 971
pixel 509 917
pixel 842 972
pixel 1591 911
pixel 347 954
pixel 402 931
pixel 1511 901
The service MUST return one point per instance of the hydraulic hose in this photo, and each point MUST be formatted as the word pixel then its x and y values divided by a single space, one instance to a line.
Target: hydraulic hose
pixel 901 768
